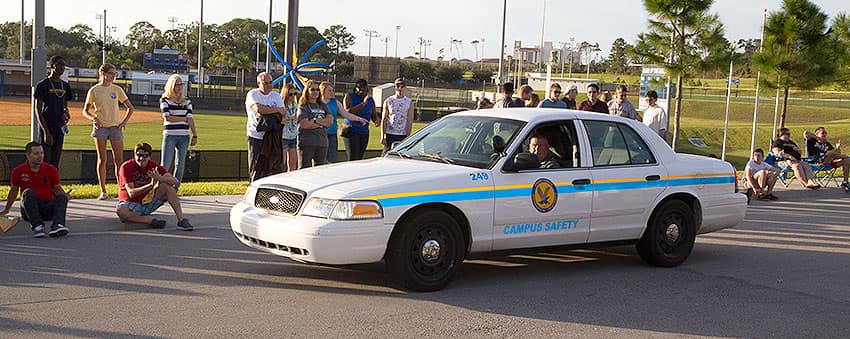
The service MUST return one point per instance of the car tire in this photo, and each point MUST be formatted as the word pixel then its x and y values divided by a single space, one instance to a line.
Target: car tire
pixel 669 236
pixel 426 251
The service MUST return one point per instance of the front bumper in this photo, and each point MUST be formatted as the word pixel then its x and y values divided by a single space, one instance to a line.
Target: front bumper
pixel 310 239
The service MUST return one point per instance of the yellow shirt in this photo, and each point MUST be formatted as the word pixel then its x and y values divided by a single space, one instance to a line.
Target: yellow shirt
pixel 105 102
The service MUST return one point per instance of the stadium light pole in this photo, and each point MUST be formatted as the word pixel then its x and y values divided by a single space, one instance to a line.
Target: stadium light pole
pixel 371 34
pixel 200 79
pixel 103 56
pixel 38 66
pixel 269 33
pixel 22 32
pixel 502 46
pixel 291 32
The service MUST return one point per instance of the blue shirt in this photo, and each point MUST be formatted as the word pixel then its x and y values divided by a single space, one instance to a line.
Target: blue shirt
pixel 332 107
pixel 365 113
pixel 549 103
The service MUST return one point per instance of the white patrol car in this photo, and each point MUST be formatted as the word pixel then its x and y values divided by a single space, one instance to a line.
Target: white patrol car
pixel 466 184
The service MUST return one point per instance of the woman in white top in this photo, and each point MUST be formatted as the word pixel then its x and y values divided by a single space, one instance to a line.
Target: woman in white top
pixel 397 118
pixel 176 126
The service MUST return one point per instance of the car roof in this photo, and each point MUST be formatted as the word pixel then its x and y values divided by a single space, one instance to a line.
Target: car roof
pixel 537 114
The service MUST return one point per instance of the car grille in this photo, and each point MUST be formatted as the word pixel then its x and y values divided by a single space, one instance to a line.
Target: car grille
pixel 278 200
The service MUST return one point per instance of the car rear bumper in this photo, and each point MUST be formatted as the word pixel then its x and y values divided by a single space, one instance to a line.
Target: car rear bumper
pixel 722 211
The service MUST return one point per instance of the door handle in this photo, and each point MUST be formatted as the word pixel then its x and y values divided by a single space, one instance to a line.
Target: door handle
pixel 654 177
pixel 581 182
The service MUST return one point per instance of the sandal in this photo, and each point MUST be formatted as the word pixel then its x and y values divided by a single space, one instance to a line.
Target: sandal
pixel 103 196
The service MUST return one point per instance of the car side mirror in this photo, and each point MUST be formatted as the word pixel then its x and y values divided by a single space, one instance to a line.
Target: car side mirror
pixel 523 161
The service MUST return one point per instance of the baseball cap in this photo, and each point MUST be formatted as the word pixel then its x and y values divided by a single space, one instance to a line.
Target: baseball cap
pixel 572 88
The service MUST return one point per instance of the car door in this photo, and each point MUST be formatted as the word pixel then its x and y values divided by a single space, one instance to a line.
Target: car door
pixel 626 180
pixel 543 207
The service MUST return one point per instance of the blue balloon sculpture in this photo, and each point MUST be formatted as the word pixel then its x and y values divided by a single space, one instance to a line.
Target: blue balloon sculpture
pixel 303 68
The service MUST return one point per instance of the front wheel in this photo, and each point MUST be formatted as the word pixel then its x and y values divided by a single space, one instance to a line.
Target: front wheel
pixel 426 251
pixel 669 236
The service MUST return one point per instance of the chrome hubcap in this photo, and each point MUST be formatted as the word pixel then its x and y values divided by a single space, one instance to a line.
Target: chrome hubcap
pixel 671 235
pixel 431 251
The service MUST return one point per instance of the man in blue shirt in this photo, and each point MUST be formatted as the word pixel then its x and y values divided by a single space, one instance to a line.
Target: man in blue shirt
pixel 553 100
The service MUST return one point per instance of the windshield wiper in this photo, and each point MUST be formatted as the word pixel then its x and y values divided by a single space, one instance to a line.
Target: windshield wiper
pixel 437 156
pixel 399 154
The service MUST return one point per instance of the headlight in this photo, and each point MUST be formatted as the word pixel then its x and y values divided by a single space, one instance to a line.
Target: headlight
pixel 250 194
pixel 343 209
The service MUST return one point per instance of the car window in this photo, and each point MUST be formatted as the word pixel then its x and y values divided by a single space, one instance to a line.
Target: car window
pixel 638 151
pixel 461 140
pixel 607 144
pixel 563 150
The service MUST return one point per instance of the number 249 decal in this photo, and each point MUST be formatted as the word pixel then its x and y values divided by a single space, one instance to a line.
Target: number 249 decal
pixel 479 176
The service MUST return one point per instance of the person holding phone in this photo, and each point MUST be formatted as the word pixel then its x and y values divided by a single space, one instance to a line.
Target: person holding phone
pixel 360 103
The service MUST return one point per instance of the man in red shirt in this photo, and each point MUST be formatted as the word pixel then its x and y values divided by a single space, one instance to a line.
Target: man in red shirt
pixel 139 195
pixel 43 197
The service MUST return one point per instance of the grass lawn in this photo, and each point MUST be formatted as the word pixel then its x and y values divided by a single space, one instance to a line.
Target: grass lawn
pixel 186 189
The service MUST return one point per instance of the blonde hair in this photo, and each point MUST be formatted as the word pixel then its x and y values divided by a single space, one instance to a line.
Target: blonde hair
pixel 172 94
pixel 305 95
pixel 103 69
pixel 322 87
pixel 285 93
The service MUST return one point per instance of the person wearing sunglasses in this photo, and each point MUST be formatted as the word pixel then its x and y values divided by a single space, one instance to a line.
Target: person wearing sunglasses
pixel 553 101
pixel 289 138
pixel 313 121
pixel 144 186
pixel 397 117
pixel 621 106
pixel 593 103
pixel 336 108
pixel 821 151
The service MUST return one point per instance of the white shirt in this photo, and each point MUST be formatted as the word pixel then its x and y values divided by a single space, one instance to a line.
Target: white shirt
pixel 756 167
pixel 397 116
pixel 655 118
pixel 255 96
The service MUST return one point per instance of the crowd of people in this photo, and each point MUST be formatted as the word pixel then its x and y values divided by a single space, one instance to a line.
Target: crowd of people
pixel 654 116
pixel 295 131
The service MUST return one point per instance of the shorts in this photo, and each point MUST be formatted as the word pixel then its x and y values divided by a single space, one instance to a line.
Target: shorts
pixel 142 209
pixel 289 143
pixel 110 133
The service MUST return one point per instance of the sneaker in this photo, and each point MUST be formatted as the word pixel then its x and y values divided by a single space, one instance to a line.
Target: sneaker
pixel 156 223
pixel 184 225
pixel 762 197
pixel 749 193
pixel 845 186
pixel 103 196
pixel 38 231
pixel 57 230
pixel 770 196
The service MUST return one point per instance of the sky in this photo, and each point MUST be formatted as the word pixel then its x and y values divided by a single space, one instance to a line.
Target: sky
pixel 437 20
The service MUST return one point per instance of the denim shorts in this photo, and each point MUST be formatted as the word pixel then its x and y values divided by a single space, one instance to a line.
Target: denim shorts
pixel 142 209
pixel 289 143
pixel 110 133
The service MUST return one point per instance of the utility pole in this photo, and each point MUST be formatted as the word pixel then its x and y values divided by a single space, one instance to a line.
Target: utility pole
pixel 38 69
pixel 502 45
pixel 371 34
pixel 201 53
pixel 172 20
pixel 397 28
pixel 105 45
pixel 421 42
pixel 386 46
pixel 269 33
pixel 542 31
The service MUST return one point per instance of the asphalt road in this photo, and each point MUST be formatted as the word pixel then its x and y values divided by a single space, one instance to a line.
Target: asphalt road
pixel 785 272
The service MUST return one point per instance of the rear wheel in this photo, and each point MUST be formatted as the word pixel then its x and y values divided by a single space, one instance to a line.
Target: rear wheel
pixel 426 251
pixel 669 236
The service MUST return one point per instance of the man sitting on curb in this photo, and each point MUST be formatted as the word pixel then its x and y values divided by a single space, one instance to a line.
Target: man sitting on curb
pixel 761 177
pixel 139 193
pixel 43 197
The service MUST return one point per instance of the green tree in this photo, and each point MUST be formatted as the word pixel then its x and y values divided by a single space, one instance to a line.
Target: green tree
pixel 618 60
pixel 798 50
pixel 338 38
pixel 450 73
pixel 691 33
pixel 841 34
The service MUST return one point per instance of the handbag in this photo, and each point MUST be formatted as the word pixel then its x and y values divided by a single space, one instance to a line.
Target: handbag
pixel 269 122
pixel 345 131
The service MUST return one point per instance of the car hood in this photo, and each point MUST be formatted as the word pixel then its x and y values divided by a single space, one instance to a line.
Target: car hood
pixel 358 179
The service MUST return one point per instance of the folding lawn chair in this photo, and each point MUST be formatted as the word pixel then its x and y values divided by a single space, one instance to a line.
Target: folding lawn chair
pixel 824 173
pixel 786 175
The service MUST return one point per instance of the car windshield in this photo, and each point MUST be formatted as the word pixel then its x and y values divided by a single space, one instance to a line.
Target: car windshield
pixel 462 140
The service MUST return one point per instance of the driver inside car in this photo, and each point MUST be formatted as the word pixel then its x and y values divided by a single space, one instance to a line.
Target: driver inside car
pixel 539 145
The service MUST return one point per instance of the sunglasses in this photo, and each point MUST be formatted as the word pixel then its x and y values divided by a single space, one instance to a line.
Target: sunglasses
pixel 292 94
pixel 592 92
pixel 399 86
pixel 556 92
pixel 143 155
pixel 314 90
